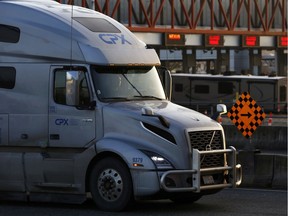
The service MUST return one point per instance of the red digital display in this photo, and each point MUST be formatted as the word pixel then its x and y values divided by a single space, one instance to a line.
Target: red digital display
pixel 214 40
pixel 282 41
pixel 250 41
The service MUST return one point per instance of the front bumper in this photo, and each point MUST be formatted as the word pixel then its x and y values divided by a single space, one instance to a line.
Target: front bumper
pixel 231 173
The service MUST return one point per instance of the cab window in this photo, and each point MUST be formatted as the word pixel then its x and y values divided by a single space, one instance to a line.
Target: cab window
pixel 70 88
pixel 7 77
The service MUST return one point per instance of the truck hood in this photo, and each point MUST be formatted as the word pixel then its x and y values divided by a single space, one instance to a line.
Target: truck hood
pixel 125 121
pixel 175 115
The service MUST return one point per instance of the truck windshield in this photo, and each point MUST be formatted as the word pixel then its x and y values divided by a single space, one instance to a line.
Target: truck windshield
pixel 127 83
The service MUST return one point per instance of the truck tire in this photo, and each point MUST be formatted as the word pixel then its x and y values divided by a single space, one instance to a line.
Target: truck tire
pixel 111 185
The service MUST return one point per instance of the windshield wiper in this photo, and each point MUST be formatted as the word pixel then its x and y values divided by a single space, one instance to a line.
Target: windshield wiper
pixel 115 98
pixel 132 85
pixel 148 96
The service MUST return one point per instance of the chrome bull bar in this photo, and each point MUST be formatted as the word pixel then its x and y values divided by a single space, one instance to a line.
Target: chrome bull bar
pixel 234 172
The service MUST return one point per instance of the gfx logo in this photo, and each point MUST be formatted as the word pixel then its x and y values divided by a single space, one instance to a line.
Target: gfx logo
pixel 61 121
pixel 113 39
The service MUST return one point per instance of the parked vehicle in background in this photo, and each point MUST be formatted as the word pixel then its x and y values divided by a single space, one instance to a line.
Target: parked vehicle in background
pixel 202 91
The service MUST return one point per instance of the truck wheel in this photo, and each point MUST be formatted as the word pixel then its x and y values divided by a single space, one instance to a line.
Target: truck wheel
pixel 111 185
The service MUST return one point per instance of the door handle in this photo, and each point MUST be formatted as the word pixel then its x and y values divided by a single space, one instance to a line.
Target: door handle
pixel 54 137
pixel 87 120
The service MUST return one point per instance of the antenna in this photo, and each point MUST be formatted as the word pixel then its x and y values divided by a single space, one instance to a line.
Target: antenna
pixel 71 34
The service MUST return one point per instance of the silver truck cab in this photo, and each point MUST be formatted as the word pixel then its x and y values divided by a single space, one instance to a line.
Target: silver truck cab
pixel 83 112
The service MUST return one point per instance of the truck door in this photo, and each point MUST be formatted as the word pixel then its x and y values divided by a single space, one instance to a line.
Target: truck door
pixel 71 118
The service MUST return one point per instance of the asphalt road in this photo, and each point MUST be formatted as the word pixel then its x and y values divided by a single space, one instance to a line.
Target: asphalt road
pixel 236 202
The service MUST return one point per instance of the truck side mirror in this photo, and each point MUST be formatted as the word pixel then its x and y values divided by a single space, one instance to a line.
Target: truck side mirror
pixel 220 110
pixel 166 80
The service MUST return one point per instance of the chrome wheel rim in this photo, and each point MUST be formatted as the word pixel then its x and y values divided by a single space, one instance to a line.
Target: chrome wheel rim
pixel 110 185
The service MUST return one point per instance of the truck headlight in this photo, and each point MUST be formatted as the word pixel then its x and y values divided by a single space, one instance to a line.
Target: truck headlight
pixel 159 161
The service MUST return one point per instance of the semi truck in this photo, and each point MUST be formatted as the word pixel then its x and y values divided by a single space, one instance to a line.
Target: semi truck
pixel 204 91
pixel 83 115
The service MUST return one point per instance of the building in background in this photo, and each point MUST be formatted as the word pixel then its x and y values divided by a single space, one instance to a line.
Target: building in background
pixel 201 36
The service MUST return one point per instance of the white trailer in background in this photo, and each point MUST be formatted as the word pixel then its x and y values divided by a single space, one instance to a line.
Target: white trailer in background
pixel 206 90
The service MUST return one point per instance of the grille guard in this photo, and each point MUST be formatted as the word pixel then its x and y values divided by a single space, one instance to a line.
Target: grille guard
pixel 234 172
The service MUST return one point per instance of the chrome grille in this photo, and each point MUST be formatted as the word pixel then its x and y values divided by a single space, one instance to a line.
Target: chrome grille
pixel 201 140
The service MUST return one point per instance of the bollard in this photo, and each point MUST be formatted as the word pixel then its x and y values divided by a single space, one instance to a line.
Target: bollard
pixel 270 119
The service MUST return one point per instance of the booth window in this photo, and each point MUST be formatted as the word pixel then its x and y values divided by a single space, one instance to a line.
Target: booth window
pixel 202 89
pixel 225 88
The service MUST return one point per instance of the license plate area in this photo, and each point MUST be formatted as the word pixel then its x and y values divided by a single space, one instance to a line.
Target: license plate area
pixel 208 180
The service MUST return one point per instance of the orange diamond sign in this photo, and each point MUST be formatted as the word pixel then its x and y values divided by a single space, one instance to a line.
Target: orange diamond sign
pixel 246 115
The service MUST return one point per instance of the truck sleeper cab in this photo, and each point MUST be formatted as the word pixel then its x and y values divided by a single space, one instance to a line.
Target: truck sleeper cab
pixel 83 111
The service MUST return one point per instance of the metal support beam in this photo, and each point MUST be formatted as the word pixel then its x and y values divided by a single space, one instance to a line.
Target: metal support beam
pixel 231 17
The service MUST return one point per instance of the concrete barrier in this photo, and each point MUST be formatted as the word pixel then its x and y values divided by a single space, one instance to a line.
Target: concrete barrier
pixel 263 157
pixel 265 138
pixel 280 172
pixel 263 170
pixel 246 159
